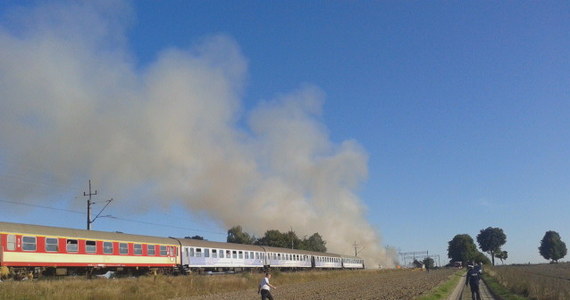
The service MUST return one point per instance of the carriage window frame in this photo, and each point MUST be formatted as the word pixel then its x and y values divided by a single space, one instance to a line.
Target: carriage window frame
pixel 124 248
pixel 91 246
pixel 163 250
pixel 137 249
pixel 151 250
pixel 51 246
pixel 108 247
pixel 29 243
pixel 72 246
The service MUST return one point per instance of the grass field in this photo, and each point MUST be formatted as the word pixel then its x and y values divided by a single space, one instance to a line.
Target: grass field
pixel 543 281
pixel 393 284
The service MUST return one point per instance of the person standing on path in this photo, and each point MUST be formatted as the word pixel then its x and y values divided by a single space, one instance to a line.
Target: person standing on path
pixel 265 287
pixel 473 277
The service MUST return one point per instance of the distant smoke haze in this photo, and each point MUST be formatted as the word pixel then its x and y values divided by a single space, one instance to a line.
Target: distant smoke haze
pixel 73 100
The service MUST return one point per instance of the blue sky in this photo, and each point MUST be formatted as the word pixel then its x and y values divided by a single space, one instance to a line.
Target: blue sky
pixel 461 109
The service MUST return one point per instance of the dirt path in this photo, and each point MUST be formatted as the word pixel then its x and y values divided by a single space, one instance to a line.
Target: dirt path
pixel 369 285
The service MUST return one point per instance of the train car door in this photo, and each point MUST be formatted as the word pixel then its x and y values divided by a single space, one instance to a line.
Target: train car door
pixel 186 256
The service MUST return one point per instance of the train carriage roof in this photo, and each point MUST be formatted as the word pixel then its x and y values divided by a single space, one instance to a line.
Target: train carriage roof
pixel 80 233
pixel 219 245
pixel 297 251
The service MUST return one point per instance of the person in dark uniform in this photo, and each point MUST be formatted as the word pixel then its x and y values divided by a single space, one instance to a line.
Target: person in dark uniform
pixel 473 278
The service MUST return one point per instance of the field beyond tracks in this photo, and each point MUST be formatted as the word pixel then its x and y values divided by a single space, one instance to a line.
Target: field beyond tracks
pixel 395 284
pixel 544 281
pixel 369 284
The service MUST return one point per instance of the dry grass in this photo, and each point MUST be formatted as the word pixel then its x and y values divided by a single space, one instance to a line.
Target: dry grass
pixel 545 281
pixel 159 287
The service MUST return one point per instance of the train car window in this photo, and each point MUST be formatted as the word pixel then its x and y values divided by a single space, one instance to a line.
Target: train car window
pixel 123 248
pixel 163 251
pixel 198 252
pixel 192 252
pixel 256 255
pixel 11 242
pixel 251 254
pixel 108 247
pixel 52 245
pixel 234 254
pixel 138 249
pixel 90 246
pixel 222 253
pixel 214 253
pixel 151 250
pixel 206 252
pixel 240 254
pixel 72 246
pixel 246 255
pixel 29 243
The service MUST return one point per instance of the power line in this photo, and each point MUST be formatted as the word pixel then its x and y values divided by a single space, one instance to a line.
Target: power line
pixel 44 207
pixel 112 217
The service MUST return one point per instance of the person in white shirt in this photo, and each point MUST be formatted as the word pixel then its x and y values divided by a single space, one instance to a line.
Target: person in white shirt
pixel 265 288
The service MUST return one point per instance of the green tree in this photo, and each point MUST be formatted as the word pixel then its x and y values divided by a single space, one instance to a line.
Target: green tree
pixel 490 240
pixel 503 255
pixel 480 257
pixel 462 248
pixel 314 243
pixel 275 238
pixel 552 247
pixel 237 235
pixel 428 263
pixel 196 237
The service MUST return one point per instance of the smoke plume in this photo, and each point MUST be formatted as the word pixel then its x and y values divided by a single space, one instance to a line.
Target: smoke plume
pixel 74 103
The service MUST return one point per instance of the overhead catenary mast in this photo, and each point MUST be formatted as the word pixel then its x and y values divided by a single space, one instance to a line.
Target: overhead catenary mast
pixel 89 203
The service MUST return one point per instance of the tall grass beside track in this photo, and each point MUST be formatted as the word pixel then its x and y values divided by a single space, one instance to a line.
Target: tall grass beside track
pixel 544 281
pixel 150 287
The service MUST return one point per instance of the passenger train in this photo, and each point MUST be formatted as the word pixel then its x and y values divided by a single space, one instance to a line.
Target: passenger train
pixel 34 249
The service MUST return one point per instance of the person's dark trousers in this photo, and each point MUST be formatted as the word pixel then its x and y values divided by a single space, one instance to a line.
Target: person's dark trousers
pixel 475 295
pixel 265 294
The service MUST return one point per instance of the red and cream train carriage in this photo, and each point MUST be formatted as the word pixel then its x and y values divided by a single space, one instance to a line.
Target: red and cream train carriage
pixel 62 250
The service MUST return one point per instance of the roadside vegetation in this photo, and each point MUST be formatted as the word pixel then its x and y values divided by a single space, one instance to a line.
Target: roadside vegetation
pixel 499 290
pixel 544 281
pixel 444 289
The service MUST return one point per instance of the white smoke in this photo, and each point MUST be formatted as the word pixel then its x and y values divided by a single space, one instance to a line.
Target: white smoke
pixel 72 99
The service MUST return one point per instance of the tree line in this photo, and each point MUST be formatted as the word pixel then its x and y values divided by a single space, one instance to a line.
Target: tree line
pixel 275 238
pixel 491 239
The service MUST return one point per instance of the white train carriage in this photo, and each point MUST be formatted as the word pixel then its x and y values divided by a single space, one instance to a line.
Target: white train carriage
pixel 287 258
pixel 352 262
pixel 327 261
pixel 206 254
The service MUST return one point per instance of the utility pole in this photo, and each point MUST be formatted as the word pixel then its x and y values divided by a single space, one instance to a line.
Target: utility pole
pixel 356 249
pixel 291 237
pixel 89 205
